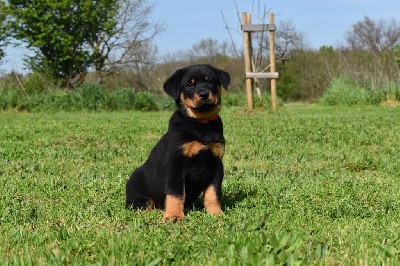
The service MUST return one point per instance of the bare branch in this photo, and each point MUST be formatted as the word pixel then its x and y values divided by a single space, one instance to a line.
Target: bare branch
pixel 374 36
pixel 132 36
pixel 230 35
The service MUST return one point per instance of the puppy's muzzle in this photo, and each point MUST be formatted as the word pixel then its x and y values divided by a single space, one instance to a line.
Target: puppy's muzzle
pixel 204 100
pixel 203 94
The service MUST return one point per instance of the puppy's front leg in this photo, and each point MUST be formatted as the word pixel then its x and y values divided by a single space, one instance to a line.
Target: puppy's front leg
pixel 174 189
pixel 174 206
pixel 212 201
pixel 212 194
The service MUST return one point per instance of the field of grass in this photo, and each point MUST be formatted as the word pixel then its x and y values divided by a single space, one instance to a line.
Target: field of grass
pixel 306 185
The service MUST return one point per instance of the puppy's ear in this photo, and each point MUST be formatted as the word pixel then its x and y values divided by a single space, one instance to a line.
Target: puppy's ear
pixel 223 77
pixel 171 86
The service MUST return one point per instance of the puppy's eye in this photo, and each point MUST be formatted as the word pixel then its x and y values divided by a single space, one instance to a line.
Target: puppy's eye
pixel 210 82
pixel 191 83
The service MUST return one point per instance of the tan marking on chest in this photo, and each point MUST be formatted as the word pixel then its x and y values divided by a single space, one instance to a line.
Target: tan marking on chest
pixel 192 148
pixel 218 149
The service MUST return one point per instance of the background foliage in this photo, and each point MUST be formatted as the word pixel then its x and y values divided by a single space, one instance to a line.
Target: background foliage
pixel 88 97
pixel 68 38
pixel 111 45
pixel 62 33
pixel 4 31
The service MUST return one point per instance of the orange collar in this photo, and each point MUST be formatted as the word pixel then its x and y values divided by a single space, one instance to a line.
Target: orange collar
pixel 206 120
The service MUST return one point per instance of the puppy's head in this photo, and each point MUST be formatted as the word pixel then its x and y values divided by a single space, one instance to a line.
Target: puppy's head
pixel 197 89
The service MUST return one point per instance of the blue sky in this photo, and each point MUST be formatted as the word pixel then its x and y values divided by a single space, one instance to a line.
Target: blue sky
pixel 189 21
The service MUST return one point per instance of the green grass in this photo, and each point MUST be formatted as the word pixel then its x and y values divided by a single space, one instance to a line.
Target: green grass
pixel 308 185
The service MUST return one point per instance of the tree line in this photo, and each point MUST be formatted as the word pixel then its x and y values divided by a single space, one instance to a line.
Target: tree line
pixel 112 43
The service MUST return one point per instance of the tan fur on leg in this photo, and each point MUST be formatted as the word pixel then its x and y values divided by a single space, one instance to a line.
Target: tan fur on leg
pixel 211 202
pixel 174 208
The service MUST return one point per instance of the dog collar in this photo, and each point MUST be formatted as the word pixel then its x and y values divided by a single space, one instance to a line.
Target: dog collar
pixel 206 120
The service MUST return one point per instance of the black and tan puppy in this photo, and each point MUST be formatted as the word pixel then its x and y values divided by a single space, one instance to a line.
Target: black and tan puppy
pixel 187 161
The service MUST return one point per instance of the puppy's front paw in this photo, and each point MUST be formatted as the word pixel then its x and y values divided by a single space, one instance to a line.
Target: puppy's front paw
pixel 215 211
pixel 174 208
pixel 175 218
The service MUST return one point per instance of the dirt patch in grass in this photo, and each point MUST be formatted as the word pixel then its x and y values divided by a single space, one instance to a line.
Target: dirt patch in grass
pixel 390 103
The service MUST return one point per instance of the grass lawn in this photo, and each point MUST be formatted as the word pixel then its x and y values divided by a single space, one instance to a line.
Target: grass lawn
pixel 308 184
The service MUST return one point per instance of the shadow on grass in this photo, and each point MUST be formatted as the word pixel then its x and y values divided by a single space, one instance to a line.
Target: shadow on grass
pixel 229 200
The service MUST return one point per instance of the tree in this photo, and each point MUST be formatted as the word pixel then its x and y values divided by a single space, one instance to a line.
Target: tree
pixel 374 36
pixel 208 48
pixel 3 30
pixel 60 31
pixel 130 44
pixel 288 39
pixel 70 36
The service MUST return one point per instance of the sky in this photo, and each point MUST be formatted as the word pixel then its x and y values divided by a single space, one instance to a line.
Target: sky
pixel 189 21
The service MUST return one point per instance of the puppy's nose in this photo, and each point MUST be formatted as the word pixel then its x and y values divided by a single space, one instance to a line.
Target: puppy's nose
pixel 203 95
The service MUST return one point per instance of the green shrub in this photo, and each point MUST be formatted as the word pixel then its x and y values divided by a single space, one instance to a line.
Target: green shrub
pixel 86 97
pixel 234 99
pixel 35 83
pixel 375 97
pixel 9 98
pixel 240 99
pixel 71 101
pixel 96 98
pixel 392 91
pixel 93 96
pixel 28 103
pixel 121 99
pixel 342 91
pixel 265 102
pixel 165 102
pixel 144 101
pixel 59 100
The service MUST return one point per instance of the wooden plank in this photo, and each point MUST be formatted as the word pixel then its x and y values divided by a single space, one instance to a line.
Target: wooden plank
pixel 246 18
pixel 262 75
pixel 258 27
pixel 272 60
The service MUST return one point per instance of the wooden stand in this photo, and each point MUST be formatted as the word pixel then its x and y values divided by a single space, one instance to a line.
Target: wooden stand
pixel 246 20
pixel 247 29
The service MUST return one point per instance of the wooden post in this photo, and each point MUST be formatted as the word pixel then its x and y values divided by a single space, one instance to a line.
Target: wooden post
pixel 246 19
pixel 272 60
pixel 247 29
